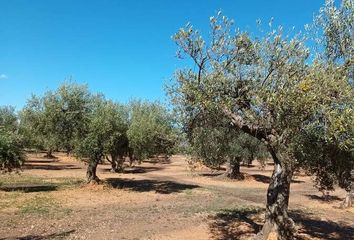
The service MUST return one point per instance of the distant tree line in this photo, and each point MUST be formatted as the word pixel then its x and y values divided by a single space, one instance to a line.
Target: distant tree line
pixel 94 129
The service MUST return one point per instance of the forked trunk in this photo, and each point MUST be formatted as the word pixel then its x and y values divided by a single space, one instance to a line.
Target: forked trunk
pixel 278 224
pixel 91 172
pixel 117 163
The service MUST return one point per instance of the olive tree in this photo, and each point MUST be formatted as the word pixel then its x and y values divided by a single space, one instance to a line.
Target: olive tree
pixel 11 148
pixel 329 164
pixel 72 105
pixel 215 142
pixel 38 124
pixel 334 36
pixel 53 121
pixel 105 127
pixel 117 147
pixel 270 88
pixel 151 130
pixel 8 118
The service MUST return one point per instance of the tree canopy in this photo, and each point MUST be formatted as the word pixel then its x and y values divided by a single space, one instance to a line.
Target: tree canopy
pixel 105 129
pixel 54 120
pixel 274 88
pixel 73 119
pixel 151 129
pixel 11 152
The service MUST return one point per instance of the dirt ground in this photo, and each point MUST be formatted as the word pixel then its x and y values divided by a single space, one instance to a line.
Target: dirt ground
pixel 155 200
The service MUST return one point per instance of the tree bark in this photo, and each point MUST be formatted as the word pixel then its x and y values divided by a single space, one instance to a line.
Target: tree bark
pixel 277 220
pixel 250 160
pixel 49 154
pixel 131 158
pixel 233 169
pixel 348 200
pixel 91 172
pixel 120 162
pixel 114 168
pixel 117 164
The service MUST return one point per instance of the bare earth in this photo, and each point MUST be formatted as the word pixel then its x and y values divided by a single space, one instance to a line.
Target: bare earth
pixel 155 200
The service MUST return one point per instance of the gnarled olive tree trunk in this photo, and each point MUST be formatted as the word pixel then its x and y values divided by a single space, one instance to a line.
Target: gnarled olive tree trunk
pixel 91 172
pixel 277 220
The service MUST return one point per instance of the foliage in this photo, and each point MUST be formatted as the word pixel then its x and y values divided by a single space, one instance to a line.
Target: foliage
pixel 73 105
pixel 11 152
pixel 8 118
pixel 106 126
pixel 335 26
pixel 274 88
pixel 150 130
pixel 214 142
pixel 53 121
pixel 105 130
pixel 72 119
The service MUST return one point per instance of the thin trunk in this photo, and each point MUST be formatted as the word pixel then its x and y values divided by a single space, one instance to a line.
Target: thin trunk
pixel 348 201
pixel 131 158
pixel 233 169
pixel 114 165
pixel 120 162
pixel 250 160
pixel 166 158
pixel 277 220
pixel 91 172
pixel 49 154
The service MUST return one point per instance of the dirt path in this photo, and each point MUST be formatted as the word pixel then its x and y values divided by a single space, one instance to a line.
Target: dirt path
pixel 154 200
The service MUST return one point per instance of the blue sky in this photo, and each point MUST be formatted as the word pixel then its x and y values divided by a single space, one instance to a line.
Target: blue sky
pixel 120 48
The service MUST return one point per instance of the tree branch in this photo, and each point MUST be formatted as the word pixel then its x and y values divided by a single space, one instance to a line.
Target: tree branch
pixel 108 159
pixel 251 129
pixel 266 78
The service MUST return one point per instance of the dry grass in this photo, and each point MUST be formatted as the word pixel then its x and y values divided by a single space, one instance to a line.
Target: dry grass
pixel 50 200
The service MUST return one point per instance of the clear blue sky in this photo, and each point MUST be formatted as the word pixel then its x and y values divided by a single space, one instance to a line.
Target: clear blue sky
pixel 120 48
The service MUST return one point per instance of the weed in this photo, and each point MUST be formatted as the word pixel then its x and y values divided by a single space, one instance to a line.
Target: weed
pixel 40 205
pixel 188 192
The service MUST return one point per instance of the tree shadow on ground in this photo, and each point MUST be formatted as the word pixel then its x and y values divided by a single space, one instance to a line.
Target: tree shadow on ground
pixel 157 160
pixel 50 167
pixel 248 165
pixel 28 188
pixel 266 179
pixel 322 229
pixel 163 187
pixel 235 224
pixel 136 169
pixel 211 174
pixel 328 198
pixel 57 236
pixel 42 161
pixel 244 223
